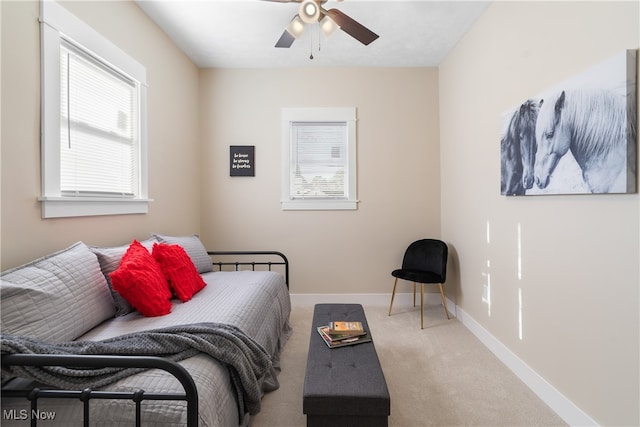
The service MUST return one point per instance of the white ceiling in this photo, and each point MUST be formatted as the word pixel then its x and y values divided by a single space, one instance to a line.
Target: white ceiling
pixel 242 33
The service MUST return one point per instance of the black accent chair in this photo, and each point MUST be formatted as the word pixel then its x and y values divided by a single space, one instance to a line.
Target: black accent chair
pixel 424 262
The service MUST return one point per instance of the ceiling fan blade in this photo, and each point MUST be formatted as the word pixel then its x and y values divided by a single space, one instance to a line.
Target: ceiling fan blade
pixel 352 27
pixel 285 40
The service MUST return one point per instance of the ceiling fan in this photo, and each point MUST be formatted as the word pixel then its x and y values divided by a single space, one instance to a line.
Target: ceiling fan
pixel 311 11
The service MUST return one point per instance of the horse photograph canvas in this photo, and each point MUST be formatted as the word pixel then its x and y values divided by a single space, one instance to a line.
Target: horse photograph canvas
pixel 579 137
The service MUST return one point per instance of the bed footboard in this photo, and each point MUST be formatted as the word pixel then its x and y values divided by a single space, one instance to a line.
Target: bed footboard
pixel 190 394
pixel 236 259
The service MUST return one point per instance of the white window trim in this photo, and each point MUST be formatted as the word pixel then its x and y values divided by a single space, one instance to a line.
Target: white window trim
pixel 340 114
pixel 56 23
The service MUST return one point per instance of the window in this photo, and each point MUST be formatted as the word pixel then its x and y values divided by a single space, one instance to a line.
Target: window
pixel 319 158
pixel 93 122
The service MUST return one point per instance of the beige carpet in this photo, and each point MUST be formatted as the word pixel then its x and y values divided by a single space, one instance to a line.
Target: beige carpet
pixel 439 376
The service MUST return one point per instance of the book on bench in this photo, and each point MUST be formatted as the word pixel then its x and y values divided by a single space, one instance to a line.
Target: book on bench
pixel 340 340
pixel 344 327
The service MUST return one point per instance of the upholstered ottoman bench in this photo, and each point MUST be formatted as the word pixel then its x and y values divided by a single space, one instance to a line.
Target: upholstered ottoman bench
pixel 345 386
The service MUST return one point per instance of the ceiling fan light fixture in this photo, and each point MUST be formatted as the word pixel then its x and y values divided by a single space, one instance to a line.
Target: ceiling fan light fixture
pixel 296 27
pixel 309 11
pixel 328 26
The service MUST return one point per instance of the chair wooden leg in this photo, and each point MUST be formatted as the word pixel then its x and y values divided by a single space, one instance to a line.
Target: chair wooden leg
pixel 421 305
pixel 393 294
pixel 414 294
pixel 444 300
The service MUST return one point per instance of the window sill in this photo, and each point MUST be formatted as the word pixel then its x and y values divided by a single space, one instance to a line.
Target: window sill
pixel 319 205
pixel 63 207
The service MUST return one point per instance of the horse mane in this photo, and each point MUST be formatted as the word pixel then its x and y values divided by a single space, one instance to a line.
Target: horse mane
pixel 510 142
pixel 524 116
pixel 597 119
pixel 529 113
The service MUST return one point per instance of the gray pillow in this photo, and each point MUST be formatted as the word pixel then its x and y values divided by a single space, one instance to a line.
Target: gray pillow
pixel 109 258
pixel 193 247
pixel 56 298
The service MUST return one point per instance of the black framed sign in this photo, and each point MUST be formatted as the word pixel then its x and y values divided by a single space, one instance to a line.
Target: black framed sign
pixel 242 160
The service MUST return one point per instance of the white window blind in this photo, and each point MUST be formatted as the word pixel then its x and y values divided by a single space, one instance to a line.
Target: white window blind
pixel 319 160
pixel 98 129
pixel 93 121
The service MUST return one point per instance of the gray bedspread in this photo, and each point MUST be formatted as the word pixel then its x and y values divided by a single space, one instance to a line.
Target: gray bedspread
pixel 247 361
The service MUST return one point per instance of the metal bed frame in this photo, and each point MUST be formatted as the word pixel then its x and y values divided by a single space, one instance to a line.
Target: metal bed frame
pixel 265 254
pixel 190 394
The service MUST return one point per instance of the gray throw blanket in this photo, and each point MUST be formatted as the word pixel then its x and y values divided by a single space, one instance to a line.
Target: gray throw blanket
pixel 247 361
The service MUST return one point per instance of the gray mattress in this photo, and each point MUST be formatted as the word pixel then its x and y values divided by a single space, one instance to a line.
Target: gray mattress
pixel 256 302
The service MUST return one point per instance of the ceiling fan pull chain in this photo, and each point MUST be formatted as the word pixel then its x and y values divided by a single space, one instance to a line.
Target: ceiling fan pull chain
pixel 311 46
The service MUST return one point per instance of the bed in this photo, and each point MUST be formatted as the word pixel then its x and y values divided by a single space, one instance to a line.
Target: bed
pixel 249 299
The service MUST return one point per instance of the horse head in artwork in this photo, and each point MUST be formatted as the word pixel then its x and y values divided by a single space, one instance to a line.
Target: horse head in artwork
pixel 518 149
pixel 590 123
pixel 528 117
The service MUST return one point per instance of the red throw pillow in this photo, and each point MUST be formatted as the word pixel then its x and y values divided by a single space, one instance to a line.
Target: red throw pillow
pixel 139 279
pixel 179 270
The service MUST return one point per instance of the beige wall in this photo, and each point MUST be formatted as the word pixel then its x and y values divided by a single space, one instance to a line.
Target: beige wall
pixel 173 134
pixel 428 165
pixel 580 254
pixel 398 171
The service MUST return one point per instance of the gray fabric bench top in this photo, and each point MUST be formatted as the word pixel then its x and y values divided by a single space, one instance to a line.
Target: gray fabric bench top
pixel 343 386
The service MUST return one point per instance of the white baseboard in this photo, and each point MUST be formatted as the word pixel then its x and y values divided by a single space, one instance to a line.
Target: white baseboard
pixel 562 406
pixel 368 299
